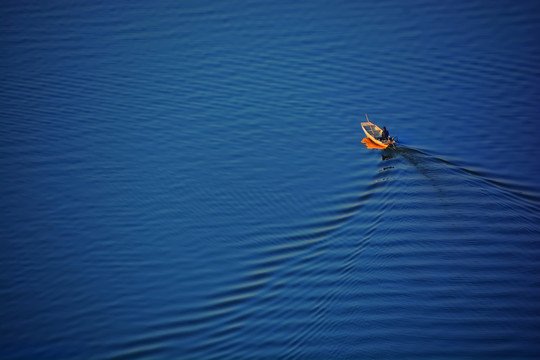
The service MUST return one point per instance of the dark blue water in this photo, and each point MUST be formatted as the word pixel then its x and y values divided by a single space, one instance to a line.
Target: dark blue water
pixel 187 180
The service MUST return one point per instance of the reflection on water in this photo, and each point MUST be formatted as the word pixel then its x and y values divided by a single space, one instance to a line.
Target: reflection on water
pixel 371 145
pixel 387 153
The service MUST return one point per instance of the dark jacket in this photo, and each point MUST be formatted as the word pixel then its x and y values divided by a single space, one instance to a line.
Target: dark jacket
pixel 384 135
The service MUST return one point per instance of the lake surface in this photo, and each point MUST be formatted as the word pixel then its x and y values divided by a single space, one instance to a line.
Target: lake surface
pixel 187 180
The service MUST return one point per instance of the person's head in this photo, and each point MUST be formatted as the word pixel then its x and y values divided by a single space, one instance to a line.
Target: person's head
pixel 384 127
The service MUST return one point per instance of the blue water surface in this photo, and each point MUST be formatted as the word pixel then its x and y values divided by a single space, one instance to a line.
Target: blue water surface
pixel 187 180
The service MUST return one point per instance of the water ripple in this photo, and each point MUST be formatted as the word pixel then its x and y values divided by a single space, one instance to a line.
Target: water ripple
pixel 189 181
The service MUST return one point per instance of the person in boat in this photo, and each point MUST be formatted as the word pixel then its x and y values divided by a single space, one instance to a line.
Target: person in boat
pixel 384 133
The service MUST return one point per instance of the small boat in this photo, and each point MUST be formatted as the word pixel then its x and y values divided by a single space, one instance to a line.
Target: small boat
pixel 374 133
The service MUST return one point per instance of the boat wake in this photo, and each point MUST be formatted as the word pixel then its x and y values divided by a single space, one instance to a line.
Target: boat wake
pixel 441 172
